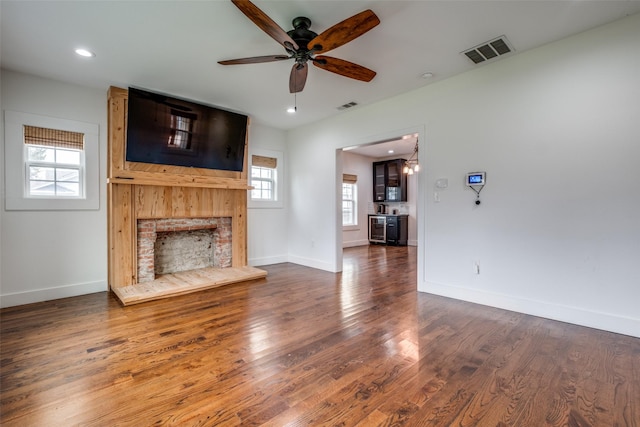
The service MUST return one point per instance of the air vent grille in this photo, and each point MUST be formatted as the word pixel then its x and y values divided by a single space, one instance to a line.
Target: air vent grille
pixel 347 105
pixel 489 50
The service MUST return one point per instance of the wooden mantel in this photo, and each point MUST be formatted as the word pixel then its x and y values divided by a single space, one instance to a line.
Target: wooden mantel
pixel 144 191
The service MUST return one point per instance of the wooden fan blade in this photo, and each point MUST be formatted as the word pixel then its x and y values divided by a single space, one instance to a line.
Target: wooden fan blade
pixel 265 23
pixel 344 68
pixel 298 77
pixel 345 31
pixel 255 60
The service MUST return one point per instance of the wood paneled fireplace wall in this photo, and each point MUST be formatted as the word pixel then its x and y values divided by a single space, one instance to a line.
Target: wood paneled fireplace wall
pixel 150 191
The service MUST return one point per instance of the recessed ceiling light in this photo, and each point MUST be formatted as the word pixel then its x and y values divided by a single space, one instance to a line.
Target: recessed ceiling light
pixel 390 151
pixel 427 75
pixel 84 52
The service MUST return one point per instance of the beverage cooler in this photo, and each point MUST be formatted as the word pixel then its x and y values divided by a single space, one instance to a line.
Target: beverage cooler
pixel 378 229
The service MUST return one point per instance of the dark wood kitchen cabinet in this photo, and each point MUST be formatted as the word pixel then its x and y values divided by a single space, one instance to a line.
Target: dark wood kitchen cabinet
pixel 397 230
pixel 389 183
pixel 379 181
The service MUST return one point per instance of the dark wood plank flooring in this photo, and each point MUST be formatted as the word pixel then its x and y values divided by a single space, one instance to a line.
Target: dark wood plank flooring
pixel 308 347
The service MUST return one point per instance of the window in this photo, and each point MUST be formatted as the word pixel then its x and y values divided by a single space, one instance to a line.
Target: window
pixel 263 181
pixel 266 176
pixel 54 163
pixel 263 178
pixel 50 163
pixel 349 200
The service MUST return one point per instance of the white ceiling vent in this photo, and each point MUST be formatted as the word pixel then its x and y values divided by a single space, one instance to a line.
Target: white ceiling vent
pixel 489 50
pixel 347 105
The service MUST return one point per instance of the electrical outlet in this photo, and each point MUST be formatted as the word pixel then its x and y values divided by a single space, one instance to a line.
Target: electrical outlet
pixel 476 267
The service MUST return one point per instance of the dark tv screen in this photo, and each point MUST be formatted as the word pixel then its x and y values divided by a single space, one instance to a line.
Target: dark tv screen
pixel 169 131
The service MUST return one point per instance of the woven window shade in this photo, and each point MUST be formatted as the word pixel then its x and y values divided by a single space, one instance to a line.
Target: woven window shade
pixel 349 179
pixel 264 162
pixel 53 137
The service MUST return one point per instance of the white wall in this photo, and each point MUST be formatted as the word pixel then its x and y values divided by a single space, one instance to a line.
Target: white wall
pixel 53 254
pixel 267 227
pixel 557 233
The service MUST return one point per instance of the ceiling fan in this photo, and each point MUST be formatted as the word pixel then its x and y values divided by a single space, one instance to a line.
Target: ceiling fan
pixel 303 45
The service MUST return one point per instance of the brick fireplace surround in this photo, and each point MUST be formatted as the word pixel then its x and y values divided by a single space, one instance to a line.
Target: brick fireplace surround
pixel 218 244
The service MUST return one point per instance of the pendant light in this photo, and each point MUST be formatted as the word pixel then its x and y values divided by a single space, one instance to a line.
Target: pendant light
pixel 412 165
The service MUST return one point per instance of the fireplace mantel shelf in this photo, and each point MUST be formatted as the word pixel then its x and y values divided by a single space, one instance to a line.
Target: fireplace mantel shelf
pixel 186 282
pixel 188 182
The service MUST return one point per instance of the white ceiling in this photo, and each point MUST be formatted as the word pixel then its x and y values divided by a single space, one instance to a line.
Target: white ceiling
pixel 173 46
pixel 395 148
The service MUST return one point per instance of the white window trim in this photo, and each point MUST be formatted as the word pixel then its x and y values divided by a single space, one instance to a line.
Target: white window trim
pixel 356 226
pixel 16 198
pixel 279 180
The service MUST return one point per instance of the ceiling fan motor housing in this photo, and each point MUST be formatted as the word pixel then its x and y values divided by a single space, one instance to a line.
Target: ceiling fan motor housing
pixel 302 35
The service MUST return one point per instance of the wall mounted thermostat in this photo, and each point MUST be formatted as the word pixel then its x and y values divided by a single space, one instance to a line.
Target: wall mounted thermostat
pixel 476 181
pixel 476 178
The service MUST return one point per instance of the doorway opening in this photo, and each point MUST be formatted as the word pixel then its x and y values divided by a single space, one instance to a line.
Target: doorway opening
pixel 357 163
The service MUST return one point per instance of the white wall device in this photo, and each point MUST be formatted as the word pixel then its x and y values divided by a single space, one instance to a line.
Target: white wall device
pixel 476 181
pixel 476 178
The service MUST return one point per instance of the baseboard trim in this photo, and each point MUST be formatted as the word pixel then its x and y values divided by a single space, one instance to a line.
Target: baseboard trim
pixel 255 262
pixel 39 295
pixel 574 315
pixel 354 243
pixel 307 262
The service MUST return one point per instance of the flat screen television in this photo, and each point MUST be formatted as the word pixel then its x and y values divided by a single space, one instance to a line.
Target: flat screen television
pixel 170 131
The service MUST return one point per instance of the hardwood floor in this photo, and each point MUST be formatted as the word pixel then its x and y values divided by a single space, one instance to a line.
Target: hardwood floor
pixel 308 347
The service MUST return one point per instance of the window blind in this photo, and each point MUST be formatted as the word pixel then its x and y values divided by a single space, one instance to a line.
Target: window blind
pixel 349 178
pixel 53 137
pixel 264 162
